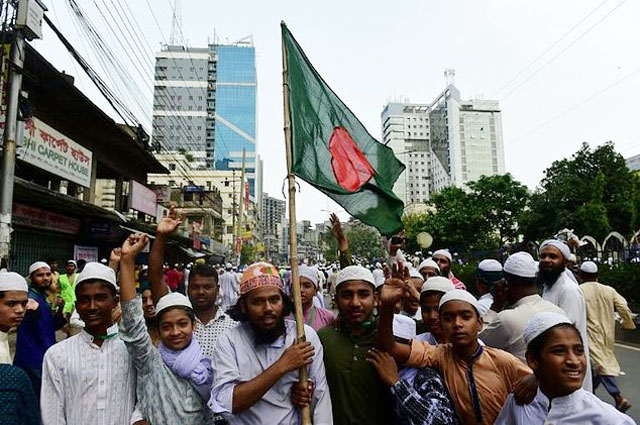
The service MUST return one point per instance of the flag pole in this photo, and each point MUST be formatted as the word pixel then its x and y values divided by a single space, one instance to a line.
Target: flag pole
pixel 293 237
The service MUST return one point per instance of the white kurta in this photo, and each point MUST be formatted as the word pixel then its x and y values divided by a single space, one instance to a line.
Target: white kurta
pixel 5 354
pixel 230 286
pixel 86 384
pixel 602 301
pixel 238 359
pixel 484 303
pixel 567 295
pixel 578 408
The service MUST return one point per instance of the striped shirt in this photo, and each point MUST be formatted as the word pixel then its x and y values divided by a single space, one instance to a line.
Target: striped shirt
pixel 86 384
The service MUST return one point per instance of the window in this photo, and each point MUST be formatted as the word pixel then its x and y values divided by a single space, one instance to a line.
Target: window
pixel 226 183
pixel 172 166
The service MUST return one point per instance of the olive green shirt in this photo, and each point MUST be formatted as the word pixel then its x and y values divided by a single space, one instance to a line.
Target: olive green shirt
pixel 357 394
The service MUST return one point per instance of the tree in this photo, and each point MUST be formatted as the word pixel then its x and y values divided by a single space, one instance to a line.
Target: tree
pixel 593 192
pixel 248 253
pixel 364 242
pixel 501 201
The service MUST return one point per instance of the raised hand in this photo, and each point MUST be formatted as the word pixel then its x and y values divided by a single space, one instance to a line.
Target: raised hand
pixel 395 285
pixel 133 245
pixel 336 229
pixel 169 223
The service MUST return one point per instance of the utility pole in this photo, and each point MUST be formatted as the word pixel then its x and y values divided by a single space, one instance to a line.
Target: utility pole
pixel 28 25
pixel 242 190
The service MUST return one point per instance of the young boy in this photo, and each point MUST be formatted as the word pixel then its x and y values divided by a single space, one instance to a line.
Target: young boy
pixel 555 352
pixel 478 378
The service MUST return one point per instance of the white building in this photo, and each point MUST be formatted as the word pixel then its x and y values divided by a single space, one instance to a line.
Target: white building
pixel 447 142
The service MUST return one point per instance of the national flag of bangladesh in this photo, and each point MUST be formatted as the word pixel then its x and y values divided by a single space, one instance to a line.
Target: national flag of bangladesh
pixel 334 152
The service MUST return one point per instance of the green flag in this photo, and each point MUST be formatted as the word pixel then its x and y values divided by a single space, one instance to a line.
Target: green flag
pixel 334 152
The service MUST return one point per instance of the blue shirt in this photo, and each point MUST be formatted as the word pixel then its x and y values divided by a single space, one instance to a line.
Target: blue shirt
pixel 18 403
pixel 36 333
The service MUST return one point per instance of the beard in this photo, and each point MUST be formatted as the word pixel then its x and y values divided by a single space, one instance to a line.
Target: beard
pixel 268 336
pixel 549 277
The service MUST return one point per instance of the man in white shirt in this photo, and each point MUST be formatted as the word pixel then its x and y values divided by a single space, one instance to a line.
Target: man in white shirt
pixel 560 290
pixel 504 328
pixel 256 363
pixel 13 304
pixel 229 287
pixel 89 378
pixel 556 355
pixel 488 274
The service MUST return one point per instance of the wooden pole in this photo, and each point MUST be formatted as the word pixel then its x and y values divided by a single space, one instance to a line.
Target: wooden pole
pixel 293 239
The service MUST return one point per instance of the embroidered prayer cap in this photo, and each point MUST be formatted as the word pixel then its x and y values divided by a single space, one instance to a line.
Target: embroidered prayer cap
pixel 310 273
pixel 356 273
pixel 589 267
pixel 542 322
pixel 38 265
pixel 173 299
pixel 404 327
pixel 12 281
pixel 564 249
pixel 489 270
pixel 97 271
pixel 437 284
pixel 444 253
pixel 428 263
pixel 258 275
pixel 521 264
pixel 415 273
pixel 459 295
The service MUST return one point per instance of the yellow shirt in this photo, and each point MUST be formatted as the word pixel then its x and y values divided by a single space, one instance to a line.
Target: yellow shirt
pixel 493 374
pixel 601 301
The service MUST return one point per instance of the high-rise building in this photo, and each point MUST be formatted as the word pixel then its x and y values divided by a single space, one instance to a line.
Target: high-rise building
pixel 205 105
pixel 446 142
pixel 273 212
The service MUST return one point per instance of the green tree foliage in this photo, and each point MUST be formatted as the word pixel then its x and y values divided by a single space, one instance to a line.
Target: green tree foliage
pixel 247 254
pixel 593 192
pixel 365 242
pixel 329 247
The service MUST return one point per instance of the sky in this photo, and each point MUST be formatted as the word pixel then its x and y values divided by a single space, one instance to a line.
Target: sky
pixel 565 72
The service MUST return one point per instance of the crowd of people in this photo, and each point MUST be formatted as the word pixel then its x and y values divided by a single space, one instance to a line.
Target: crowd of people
pixel 401 343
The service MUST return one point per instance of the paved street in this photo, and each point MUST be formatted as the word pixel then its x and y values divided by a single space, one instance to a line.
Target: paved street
pixel 629 384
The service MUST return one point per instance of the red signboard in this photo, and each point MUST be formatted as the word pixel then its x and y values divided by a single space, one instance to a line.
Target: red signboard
pixel 25 215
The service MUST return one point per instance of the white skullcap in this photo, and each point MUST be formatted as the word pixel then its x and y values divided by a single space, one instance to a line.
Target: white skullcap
pixel 564 249
pixel 459 295
pixel 97 271
pixel 437 284
pixel 379 280
pixel 541 322
pixel 38 265
pixel 404 327
pixel 72 262
pixel 378 265
pixel 428 263
pixel 589 267
pixel 310 273
pixel 521 264
pixel 572 258
pixel 355 273
pixel 444 253
pixel 490 265
pixel 228 266
pixel 415 273
pixel 11 281
pixel 173 299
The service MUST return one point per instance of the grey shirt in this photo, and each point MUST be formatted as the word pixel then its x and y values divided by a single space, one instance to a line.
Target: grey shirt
pixel 163 397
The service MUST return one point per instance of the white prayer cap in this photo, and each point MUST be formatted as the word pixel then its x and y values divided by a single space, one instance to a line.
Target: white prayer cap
pixel 415 273
pixel 564 249
pixel 38 265
pixel 437 284
pixel 541 322
pixel 589 267
pixel 490 265
pixel 104 261
pixel 378 265
pixel 404 327
pixel 459 295
pixel 228 266
pixel 355 273
pixel 310 273
pixel 173 299
pixel 379 280
pixel 572 258
pixel 11 281
pixel 97 271
pixel 521 264
pixel 444 253
pixel 428 263
pixel 72 262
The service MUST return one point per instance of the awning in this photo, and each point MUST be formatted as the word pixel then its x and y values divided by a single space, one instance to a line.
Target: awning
pixel 191 253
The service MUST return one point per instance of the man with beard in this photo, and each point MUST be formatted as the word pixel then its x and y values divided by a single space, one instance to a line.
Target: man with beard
pixel 357 393
pixel 202 289
pixel 82 374
pixel 560 290
pixel 443 258
pixel 36 333
pixel 256 363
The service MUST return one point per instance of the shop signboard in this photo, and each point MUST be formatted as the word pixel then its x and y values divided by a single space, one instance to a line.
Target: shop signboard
pixel 142 199
pixel 86 253
pixel 24 215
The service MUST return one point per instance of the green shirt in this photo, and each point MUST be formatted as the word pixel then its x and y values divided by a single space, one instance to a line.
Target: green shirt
pixel 357 395
pixel 68 291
